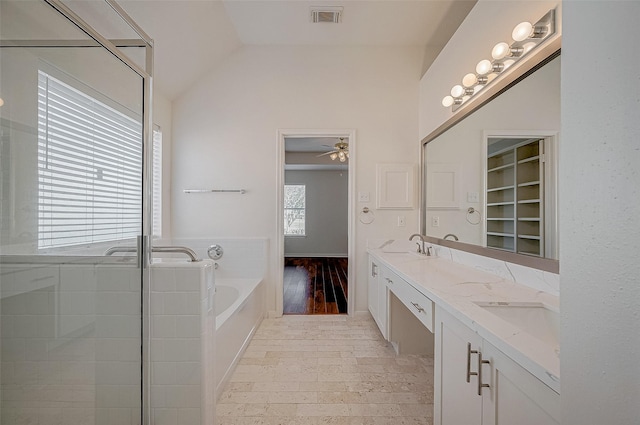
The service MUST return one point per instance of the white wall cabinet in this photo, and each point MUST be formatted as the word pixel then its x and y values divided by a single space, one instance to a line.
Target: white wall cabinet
pixel 476 384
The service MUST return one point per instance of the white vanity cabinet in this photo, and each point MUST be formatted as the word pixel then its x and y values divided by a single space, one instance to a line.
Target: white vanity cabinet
pixel 475 383
pixel 377 293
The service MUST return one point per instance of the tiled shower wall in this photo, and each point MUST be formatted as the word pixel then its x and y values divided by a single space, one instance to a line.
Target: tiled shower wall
pixel 70 344
pixel 182 343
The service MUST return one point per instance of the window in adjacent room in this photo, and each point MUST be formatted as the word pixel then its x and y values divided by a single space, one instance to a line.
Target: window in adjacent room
pixel 294 210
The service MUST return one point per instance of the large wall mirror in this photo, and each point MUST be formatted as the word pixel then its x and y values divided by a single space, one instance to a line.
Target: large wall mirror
pixel 489 180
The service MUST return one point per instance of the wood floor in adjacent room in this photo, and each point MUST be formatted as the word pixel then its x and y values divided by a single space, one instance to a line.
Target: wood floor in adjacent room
pixel 315 285
pixel 331 369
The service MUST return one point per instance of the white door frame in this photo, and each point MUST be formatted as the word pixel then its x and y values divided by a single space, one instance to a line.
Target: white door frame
pixel 279 274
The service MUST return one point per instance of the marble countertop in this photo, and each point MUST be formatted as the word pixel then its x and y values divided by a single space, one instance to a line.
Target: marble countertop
pixel 458 288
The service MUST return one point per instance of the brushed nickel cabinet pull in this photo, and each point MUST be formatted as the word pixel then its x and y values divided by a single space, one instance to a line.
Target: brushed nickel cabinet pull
pixel 417 306
pixel 374 270
pixel 480 363
pixel 469 353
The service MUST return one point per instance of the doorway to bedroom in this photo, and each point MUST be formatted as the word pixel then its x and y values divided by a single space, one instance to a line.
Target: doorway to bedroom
pixel 316 225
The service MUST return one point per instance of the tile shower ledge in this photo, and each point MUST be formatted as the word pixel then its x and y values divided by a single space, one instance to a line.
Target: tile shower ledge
pixel 458 288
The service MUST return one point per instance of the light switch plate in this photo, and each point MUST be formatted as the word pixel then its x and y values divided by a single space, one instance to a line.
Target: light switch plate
pixel 363 196
pixel 473 197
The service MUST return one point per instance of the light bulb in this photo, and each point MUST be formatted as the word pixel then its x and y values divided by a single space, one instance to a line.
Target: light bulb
pixel 333 156
pixel 469 80
pixel 1 102
pixel 342 157
pixel 508 63
pixel 526 47
pixel 522 31
pixel 500 50
pixel 457 91
pixel 484 67
pixel 447 101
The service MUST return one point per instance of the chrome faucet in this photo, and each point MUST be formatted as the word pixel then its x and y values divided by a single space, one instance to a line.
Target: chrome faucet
pixel 421 248
pixel 455 238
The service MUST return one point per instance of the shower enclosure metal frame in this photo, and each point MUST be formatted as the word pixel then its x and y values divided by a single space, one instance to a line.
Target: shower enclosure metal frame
pixel 143 246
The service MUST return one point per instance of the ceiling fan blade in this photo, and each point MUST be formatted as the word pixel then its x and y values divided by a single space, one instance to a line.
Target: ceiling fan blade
pixel 326 153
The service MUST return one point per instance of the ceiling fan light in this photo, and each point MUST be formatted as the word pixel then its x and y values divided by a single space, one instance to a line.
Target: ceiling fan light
pixel 333 156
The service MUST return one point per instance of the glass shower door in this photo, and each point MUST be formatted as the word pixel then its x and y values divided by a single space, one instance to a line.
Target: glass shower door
pixel 72 131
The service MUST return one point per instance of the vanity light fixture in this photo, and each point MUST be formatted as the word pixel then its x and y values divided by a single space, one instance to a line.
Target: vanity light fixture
pixel 526 37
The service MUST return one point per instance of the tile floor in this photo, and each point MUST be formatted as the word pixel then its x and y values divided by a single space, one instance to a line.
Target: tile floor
pixel 308 370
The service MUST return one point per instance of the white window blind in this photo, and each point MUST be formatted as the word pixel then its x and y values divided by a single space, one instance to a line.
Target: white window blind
pixel 89 168
pixel 294 209
pixel 156 182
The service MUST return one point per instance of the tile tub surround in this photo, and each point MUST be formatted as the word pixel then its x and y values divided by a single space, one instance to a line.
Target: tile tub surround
pixel 456 288
pixel 308 370
pixel 235 325
pixel 242 258
pixel 182 342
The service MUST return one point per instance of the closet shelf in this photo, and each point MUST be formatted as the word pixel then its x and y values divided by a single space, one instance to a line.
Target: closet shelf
pixel 496 189
pixel 502 167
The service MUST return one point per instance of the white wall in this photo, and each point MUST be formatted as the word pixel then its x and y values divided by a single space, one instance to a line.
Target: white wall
pixel 225 136
pixel 326 217
pixel 600 206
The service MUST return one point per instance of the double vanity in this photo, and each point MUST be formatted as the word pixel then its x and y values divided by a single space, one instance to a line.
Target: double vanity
pixel 495 342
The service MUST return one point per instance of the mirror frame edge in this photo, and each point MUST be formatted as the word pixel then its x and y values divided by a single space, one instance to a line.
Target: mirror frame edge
pixel 545 54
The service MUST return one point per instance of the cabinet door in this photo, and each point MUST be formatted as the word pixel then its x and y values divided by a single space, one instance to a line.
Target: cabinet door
pixel 456 401
pixel 374 271
pixel 383 303
pixel 514 396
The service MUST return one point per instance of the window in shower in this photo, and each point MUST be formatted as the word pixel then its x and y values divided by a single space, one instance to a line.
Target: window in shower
pixel 89 166
pixel 294 209
pixel 156 182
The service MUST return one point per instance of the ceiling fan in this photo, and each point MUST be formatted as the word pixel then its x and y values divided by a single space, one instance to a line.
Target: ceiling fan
pixel 341 151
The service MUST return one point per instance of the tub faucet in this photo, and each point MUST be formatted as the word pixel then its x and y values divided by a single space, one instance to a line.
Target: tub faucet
pixel 421 247
pixel 455 238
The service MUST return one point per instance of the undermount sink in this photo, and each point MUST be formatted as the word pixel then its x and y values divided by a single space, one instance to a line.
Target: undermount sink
pixel 536 319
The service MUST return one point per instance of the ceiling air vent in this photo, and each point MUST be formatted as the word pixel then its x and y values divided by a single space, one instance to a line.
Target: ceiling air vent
pixel 326 14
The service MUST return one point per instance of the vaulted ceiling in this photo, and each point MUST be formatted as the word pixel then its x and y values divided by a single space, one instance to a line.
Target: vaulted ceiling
pixel 193 37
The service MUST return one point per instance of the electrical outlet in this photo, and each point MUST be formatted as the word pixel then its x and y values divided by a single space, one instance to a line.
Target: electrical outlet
pixel 401 221
pixel 363 196
pixel 435 221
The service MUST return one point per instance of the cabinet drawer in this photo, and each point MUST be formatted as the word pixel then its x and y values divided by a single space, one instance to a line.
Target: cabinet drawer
pixel 421 306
